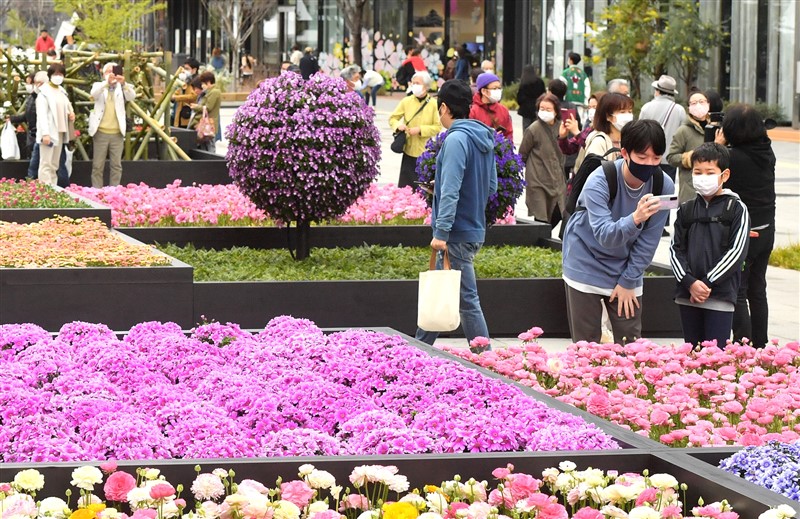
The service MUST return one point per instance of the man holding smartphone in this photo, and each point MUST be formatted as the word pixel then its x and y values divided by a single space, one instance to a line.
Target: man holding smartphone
pixel 107 124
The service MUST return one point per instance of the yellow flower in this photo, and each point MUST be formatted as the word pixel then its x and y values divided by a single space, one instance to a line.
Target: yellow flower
pixel 29 480
pixel 82 513
pixel 400 511
pixel 96 507
pixel 431 488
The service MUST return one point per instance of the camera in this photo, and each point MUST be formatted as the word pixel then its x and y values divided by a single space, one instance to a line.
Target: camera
pixel 716 117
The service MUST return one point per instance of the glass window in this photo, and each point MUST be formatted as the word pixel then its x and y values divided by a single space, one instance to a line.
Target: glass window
pixel 388 40
pixel 467 26
pixel 307 29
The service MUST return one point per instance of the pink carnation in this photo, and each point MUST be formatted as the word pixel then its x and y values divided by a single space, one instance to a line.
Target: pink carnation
pixel 118 485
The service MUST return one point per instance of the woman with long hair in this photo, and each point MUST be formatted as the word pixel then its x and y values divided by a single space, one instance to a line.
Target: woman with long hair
pixel 531 86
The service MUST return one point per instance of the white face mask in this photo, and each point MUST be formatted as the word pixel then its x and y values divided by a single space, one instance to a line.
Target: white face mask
pixel 57 80
pixel 357 85
pixel 546 116
pixel 699 110
pixel 621 119
pixel 28 88
pixel 706 185
pixel 495 95
pixel 590 114
pixel 417 90
pixel 184 76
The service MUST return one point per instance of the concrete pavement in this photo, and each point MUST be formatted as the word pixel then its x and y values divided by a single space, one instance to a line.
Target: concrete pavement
pixel 783 285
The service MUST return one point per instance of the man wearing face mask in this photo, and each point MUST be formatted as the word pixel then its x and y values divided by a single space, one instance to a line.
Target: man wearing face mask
pixel 185 95
pixel 669 114
pixel 486 106
pixel 54 123
pixel 107 125
pixel 466 176
pixel 612 237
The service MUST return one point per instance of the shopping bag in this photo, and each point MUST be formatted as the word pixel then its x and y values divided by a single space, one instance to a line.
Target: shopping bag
pixel 68 162
pixel 439 297
pixel 205 128
pixel 9 147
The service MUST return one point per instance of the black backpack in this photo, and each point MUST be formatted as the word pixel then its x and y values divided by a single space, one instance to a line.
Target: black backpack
pixel 404 74
pixel 688 218
pixel 590 163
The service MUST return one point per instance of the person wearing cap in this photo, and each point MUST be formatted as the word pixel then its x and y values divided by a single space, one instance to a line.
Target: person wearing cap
pixel 486 106
pixel 465 178
pixel 308 63
pixel 417 116
pixel 669 114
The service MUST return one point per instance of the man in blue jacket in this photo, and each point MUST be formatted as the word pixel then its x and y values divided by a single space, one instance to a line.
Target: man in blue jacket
pixel 466 176
pixel 609 244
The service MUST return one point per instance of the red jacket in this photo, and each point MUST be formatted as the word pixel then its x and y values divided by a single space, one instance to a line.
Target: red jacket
pixel 44 44
pixel 417 63
pixel 495 115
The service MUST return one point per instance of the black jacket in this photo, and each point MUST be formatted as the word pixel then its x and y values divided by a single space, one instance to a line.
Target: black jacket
pixel 698 251
pixel 28 117
pixel 526 98
pixel 753 179
pixel 308 66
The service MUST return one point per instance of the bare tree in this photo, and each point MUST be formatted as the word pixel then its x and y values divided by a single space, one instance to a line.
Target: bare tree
pixel 5 7
pixel 238 18
pixel 353 11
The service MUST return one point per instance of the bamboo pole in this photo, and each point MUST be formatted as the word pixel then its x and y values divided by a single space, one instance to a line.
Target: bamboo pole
pixel 161 133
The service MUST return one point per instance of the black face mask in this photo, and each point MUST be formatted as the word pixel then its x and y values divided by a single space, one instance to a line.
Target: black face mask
pixel 642 171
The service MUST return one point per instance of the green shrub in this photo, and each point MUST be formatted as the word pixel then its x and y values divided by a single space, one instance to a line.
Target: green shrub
pixel 509 99
pixel 361 263
pixel 786 257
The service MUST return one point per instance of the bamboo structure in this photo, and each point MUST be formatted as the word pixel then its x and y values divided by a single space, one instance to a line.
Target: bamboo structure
pixel 148 114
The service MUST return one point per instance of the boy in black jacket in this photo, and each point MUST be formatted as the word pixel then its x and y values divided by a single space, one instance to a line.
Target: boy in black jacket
pixel 708 249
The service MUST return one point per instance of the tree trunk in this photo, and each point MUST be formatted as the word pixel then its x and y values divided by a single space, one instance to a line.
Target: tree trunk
pixel 355 37
pixel 303 249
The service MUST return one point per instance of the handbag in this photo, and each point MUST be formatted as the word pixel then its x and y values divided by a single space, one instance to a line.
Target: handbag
pixel 439 297
pixel 9 147
pixel 206 130
pixel 399 142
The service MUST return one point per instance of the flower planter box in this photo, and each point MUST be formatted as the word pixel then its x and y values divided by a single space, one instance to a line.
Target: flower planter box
pixel 524 233
pixel 154 173
pixel 511 306
pixel 117 296
pixel 703 481
pixel 38 214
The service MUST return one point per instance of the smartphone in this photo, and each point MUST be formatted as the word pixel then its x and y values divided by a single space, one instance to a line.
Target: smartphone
pixel 668 202
pixel 566 113
pixel 117 69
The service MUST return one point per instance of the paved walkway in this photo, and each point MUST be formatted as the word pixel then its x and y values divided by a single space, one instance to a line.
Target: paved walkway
pixel 783 285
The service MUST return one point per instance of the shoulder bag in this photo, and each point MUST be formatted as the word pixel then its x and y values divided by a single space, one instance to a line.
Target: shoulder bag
pixel 399 142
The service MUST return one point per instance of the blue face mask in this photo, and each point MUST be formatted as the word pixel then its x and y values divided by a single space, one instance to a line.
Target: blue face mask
pixel 642 171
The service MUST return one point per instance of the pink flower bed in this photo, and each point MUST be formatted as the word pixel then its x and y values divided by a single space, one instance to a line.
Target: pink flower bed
pixel 138 205
pixel 676 394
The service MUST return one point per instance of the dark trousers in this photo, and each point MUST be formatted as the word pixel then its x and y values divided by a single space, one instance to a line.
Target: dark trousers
pixel 408 171
pixel 585 316
pixel 701 324
pixel 751 316
pixel 372 92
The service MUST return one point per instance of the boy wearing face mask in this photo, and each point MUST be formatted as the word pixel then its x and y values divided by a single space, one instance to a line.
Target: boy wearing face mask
pixel 608 244
pixel 486 106
pixel 708 249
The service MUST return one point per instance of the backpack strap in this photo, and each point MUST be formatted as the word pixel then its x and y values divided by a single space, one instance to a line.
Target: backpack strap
pixel 725 219
pixel 610 171
pixel 658 183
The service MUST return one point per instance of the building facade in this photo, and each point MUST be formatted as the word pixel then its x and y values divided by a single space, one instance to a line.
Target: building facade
pixel 758 62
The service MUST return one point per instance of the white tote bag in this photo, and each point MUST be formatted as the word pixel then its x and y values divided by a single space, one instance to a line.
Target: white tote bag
pixel 439 297
pixel 9 147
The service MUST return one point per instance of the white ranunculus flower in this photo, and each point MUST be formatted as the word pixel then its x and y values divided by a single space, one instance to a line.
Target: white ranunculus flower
pixel 209 510
pixel 644 512
pixel 305 469
pixel 369 514
pixel 336 491
pixel 564 482
pixel 320 479
pixel 220 473
pixel 592 477
pixel 397 483
pixel 86 477
pixel 151 474
pixel 54 507
pixel 257 505
pixel 613 512
pixel 139 497
pixel 567 466
pixel 29 480
pixel 110 513
pixel 663 481
pixel 782 512
pixel 415 499
pixel 318 506
pixel 429 515
pixel 285 510
pixel 436 502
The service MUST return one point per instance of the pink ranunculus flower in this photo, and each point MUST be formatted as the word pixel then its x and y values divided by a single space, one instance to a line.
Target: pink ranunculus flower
pixel 297 492
pixel 502 472
pixel 453 509
pixel 109 466
pixel 523 485
pixel 672 512
pixel 354 501
pixel 144 513
pixel 648 496
pixel 326 514
pixel 118 485
pixel 587 513
pixel 161 491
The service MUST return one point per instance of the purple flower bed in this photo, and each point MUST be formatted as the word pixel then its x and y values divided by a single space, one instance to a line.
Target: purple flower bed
pixel 223 392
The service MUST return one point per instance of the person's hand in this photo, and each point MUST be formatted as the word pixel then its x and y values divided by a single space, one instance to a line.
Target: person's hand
pixel 648 206
pixel 437 244
pixel 401 127
pixel 120 79
pixel 563 133
pixel 719 137
pixel 414 131
pixel 571 125
pixel 194 106
pixel 46 140
pixel 71 117
pixel 699 292
pixel 626 301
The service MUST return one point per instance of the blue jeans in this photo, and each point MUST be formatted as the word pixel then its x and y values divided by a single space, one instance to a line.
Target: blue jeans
pixel 373 92
pixel 462 256
pixel 33 166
